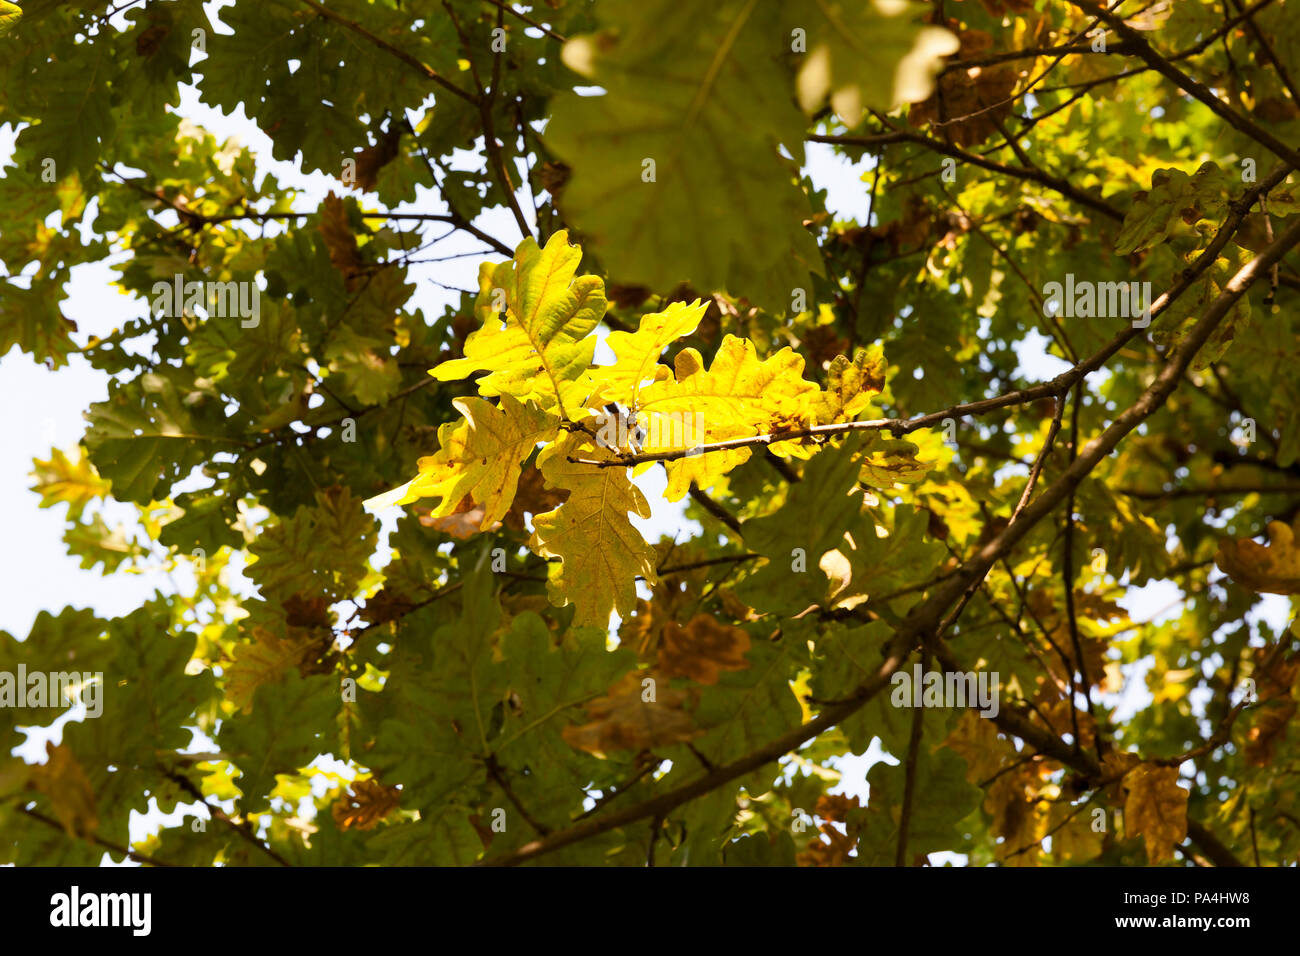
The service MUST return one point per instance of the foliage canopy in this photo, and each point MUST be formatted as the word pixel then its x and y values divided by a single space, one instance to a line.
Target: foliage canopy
pixel 874 482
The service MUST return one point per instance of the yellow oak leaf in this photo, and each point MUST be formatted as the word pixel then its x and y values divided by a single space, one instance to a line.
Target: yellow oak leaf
pixel 265 659
pixel 480 457
pixel 891 460
pixel 1155 808
pixel 68 478
pixel 638 712
pixel 638 352
pixel 1273 568
pixel 601 553
pixel 850 384
pixel 543 349
pixel 68 788
pixel 975 739
pixel 1018 816
pixel 701 649
pixel 739 396
pixel 1074 838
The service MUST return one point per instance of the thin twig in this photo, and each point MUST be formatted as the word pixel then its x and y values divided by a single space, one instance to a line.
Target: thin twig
pixel 109 845
pixel 427 71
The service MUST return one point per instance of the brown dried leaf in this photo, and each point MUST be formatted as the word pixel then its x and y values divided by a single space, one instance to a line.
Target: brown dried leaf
pixel 671 599
pixel 975 739
pixel 339 240
pixel 364 805
pixel 1270 730
pixel 836 806
pixel 1273 568
pixel 1275 678
pixel 1053 704
pixel 463 523
pixel 66 785
pixel 999 7
pixel 967 104
pixel 1155 809
pixel 838 845
pixel 702 648
pixel 628 296
pixel 308 612
pixel 823 344
pixel 554 176
pixel 1055 620
pixel 834 851
pixel 386 605
pixel 372 159
pixel 735 607
pixel 1114 766
pixel 633 716
pixel 147 43
pixel 1018 817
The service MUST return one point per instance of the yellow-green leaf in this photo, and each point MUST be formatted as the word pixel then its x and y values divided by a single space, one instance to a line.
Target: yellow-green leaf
pixel 850 384
pixel 738 397
pixel 638 352
pixel 891 460
pixel 866 54
pixel 68 478
pixel 481 457
pixel 544 346
pixel 600 551
pixel 1155 808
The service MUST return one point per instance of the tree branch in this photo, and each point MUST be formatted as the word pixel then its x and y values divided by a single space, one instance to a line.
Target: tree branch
pixel 924 619
pixel 427 71
pixel 1188 85
pixel 1030 174
pixel 98 841
pixel 243 830
pixel 484 102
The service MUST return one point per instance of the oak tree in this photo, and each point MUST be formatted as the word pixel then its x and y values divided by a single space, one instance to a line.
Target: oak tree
pixel 418 620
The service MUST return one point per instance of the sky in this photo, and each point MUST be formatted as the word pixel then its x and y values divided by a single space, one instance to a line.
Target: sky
pixel 44 410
